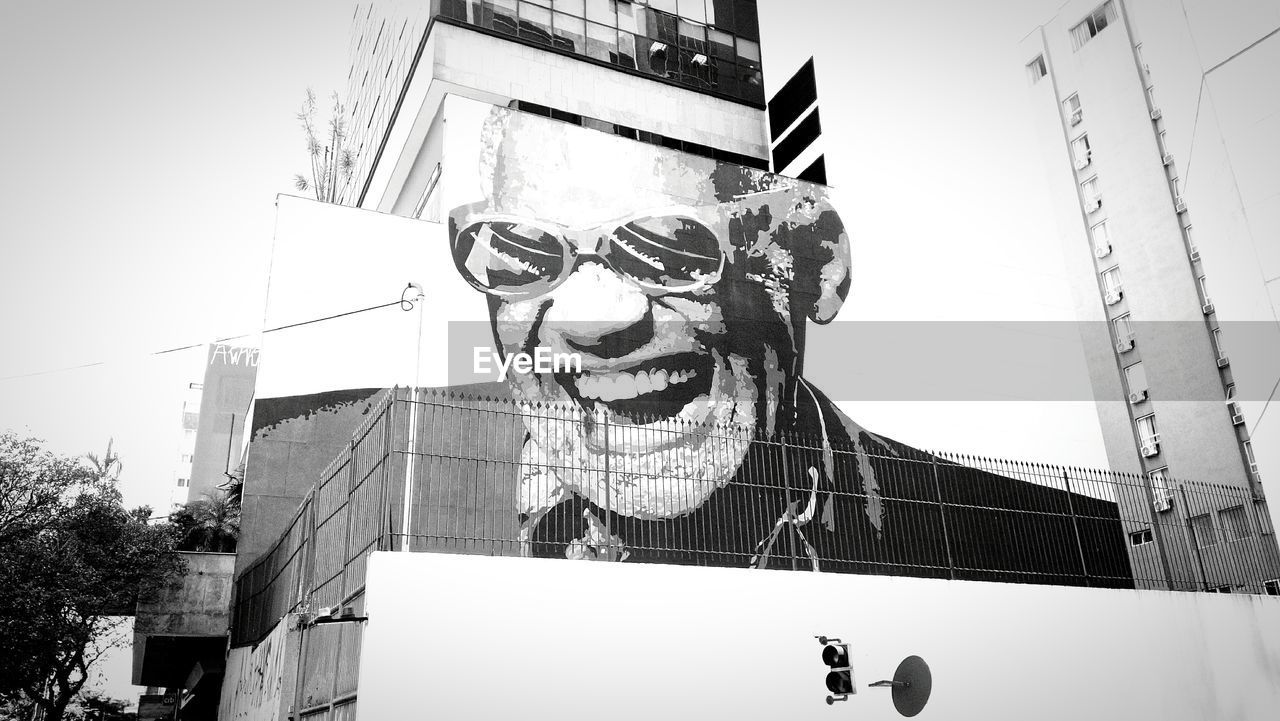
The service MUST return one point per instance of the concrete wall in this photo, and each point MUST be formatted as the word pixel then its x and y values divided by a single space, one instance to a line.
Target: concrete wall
pixel 186 624
pixel 259 680
pixel 470 637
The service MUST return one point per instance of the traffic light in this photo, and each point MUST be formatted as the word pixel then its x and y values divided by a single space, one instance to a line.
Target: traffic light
pixel 840 676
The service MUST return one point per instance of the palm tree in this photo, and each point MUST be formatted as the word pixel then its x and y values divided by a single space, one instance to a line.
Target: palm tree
pixel 209 524
pixel 107 467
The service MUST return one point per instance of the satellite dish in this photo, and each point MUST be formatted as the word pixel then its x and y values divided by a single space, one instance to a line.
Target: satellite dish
pixel 912 683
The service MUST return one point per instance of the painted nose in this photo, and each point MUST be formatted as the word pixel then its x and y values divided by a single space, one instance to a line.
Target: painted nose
pixel 596 311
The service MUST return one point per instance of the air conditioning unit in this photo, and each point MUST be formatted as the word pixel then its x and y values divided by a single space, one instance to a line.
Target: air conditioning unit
pixel 1223 362
pixel 699 59
pixel 1195 254
pixel 1207 307
pixel 1124 345
pixel 1150 448
pixel 1137 397
pixel 1092 204
pixel 1077 116
pixel 1179 205
pixel 1155 113
pixel 657 47
pixel 1102 251
pixel 1163 501
pixel 1082 163
pixel 1112 296
pixel 1167 159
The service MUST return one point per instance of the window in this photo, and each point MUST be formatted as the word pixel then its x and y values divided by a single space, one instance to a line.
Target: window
pixel 1175 188
pixel 1140 538
pixel 1163 142
pixel 1124 328
pixel 1248 454
pixel 1101 239
pixel 1147 431
pixel 1272 587
pixel 1071 106
pixel 1080 150
pixel 183 482
pixel 1202 528
pixel 1204 291
pixel 1219 589
pixel 1191 244
pixel 1111 285
pixel 1096 22
pixel 1235 524
pixel 1036 69
pixel 1160 483
pixel 1217 345
pixel 1135 379
pixel 186 457
pixel 1092 194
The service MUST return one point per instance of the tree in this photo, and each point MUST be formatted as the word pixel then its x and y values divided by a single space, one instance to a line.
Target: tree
pixel 331 162
pixel 74 561
pixel 94 706
pixel 208 524
pixel 107 467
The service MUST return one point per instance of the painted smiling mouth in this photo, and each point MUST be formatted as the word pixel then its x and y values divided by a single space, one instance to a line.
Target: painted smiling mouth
pixel 653 389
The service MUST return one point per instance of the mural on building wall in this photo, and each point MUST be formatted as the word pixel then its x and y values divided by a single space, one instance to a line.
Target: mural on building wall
pixel 678 291
pixel 253 686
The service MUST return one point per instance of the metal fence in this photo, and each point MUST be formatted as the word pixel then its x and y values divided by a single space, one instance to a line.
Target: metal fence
pixel 441 472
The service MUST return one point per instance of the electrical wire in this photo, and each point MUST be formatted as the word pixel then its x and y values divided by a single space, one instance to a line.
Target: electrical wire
pixel 401 302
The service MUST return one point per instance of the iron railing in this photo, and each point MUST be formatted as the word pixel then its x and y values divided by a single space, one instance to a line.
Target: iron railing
pixel 443 472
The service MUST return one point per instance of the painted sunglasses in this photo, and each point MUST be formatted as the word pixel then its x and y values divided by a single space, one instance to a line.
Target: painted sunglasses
pixel 664 251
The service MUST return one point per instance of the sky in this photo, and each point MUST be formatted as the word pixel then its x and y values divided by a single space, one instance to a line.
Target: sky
pixel 144 144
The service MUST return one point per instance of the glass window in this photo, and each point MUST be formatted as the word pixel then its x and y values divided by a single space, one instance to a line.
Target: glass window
pixel 1248 454
pixel 569 7
pixel 1204 291
pixel 1036 69
pixel 663 27
pixel 1234 523
pixel 693 37
pixel 1217 343
pixel 1111 279
pixel 1160 481
pixel 1072 106
pixel 1272 587
pixel 1202 526
pixel 748 50
pixel 627 49
pixel 720 14
pixel 604 12
pixel 1124 327
pixel 695 10
pixel 535 23
pixel 1147 431
pixel 666 6
pixel 1163 142
pixel 1135 377
pixel 1096 22
pixel 1101 236
pixel 504 16
pixel 1140 538
pixel 1092 193
pixel 570 33
pixel 631 18
pixel 1080 150
pixel 720 44
pixel 602 42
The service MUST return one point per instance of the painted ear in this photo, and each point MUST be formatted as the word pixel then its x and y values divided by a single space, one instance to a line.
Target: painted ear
pixel 821 252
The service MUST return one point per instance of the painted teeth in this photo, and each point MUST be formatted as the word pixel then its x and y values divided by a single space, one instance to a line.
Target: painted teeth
pixel 622 386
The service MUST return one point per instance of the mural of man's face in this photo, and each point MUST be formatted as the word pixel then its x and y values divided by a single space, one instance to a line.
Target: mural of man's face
pixel 682 284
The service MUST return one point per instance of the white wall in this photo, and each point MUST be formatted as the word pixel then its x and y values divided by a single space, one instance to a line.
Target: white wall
pixel 466 637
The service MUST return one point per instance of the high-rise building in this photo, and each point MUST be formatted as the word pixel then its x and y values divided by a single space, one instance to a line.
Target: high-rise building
pixel 180 490
pixel 683 74
pixel 1154 251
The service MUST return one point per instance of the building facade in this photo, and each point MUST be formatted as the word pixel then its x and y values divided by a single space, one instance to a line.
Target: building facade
pixel 1149 291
